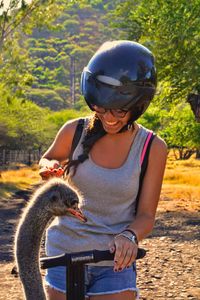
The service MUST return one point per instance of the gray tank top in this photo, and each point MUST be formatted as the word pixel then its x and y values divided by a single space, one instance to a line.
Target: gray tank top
pixel 108 202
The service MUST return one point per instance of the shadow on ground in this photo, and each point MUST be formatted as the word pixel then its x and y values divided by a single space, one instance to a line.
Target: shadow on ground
pixel 178 225
pixel 10 212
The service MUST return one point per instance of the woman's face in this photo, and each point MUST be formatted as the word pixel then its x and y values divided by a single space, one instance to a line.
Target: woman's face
pixel 111 123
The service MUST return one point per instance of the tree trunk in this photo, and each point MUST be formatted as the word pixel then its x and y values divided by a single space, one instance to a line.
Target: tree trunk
pixel 182 153
pixel 198 154
pixel 72 80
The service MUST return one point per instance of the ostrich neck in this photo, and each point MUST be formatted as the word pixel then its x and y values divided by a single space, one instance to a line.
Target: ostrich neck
pixel 28 249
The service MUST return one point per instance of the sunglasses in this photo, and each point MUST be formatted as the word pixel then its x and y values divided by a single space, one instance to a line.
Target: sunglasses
pixel 118 113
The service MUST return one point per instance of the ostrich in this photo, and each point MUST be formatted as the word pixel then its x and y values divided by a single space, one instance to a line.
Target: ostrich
pixel 54 198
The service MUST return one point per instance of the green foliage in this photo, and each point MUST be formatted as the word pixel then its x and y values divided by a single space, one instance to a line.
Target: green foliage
pixel 74 43
pixel 171 30
pixel 61 117
pixel 24 125
pixel 46 98
pixel 81 106
pixel 176 126
pixel 182 130
pixel 152 118
pixel 71 26
pixel 41 52
pixel 14 74
pixel 22 16
pixel 41 58
pixel 62 92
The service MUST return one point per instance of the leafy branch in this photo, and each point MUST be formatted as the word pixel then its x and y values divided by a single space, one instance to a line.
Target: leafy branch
pixel 14 16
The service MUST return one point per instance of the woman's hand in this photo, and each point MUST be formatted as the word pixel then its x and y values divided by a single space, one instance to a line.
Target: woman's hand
pixel 50 168
pixel 125 252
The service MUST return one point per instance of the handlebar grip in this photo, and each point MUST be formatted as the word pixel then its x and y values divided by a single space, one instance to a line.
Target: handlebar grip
pixel 81 258
pixel 106 255
pixel 53 261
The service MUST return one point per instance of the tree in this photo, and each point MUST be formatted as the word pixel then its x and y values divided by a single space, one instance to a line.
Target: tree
pixel 24 125
pixel 171 30
pixel 16 14
pixel 50 52
pixel 181 132
pixel 16 19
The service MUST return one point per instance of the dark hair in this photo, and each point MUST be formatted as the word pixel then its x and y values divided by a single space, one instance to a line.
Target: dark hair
pixel 94 132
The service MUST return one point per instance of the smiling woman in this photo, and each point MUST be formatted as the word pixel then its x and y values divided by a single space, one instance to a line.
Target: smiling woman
pixel 118 84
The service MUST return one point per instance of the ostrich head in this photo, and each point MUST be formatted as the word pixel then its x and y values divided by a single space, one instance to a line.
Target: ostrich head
pixel 60 199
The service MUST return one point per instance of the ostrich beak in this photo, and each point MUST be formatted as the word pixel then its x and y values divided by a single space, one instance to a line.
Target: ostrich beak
pixel 76 212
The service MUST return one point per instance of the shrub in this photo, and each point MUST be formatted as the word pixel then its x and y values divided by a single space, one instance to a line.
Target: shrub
pixel 46 98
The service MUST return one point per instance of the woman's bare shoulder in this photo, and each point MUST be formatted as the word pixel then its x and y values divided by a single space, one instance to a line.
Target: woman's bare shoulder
pixel 61 146
pixel 69 128
pixel 159 143
pixel 158 148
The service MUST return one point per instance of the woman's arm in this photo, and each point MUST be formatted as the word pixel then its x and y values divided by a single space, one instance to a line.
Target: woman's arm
pixel 151 188
pixel 59 151
pixel 142 225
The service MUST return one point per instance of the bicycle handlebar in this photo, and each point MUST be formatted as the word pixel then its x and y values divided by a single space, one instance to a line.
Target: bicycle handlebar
pixel 81 258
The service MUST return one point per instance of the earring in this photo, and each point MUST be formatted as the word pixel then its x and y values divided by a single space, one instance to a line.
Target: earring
pixel 130 127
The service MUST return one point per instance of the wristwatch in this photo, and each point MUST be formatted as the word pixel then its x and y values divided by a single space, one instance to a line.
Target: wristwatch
pixel 130 234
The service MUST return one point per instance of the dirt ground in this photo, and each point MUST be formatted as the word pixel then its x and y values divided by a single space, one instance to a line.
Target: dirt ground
pixel 170 270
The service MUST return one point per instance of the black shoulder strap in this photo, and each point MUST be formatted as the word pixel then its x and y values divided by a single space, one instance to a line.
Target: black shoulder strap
pixel 77 136
pixel 144 168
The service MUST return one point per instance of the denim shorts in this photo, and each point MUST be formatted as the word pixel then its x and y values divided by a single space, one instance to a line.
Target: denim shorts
pixel 98 280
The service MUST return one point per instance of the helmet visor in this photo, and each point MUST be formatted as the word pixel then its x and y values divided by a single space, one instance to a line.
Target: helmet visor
pixel 110 96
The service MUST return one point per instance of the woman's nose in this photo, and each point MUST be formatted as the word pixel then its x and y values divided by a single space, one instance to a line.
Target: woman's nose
pixel 109 116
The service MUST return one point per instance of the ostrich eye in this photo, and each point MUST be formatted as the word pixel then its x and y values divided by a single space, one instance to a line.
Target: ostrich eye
pixel 54 198
pixel 71 203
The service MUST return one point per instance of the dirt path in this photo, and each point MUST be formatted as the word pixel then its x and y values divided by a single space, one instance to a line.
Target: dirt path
pixel 169 271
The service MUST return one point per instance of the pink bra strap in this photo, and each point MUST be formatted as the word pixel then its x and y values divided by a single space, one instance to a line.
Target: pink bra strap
pixel 145 146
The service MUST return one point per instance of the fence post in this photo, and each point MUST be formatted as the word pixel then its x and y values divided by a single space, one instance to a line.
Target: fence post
pixel 4 157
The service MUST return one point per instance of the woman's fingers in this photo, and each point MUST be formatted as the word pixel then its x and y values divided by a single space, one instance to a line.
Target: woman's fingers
pixel 48 172
pixel 128 259
pixel 112 247
pixel 119 254
pixel 125 253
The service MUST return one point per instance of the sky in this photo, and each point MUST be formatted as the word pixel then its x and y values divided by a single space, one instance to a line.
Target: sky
pixel 7 2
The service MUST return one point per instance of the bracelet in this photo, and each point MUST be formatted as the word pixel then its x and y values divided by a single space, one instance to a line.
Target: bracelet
pixel 133 233
pixel 132 239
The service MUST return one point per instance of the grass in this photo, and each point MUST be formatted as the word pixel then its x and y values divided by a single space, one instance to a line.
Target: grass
pixel 13 180
pixel 181 185
pixel 180 172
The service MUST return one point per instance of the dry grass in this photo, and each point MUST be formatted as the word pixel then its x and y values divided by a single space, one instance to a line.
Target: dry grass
pixel 13 180
pixel 181 184
pixel 183 172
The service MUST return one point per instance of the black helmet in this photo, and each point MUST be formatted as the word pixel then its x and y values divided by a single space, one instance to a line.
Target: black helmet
pixel 120 75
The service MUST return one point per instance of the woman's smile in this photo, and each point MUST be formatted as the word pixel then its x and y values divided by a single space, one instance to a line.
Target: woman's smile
pixel 111 124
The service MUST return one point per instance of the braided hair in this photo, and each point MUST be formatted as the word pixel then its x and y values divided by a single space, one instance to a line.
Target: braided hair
pixel 94 132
